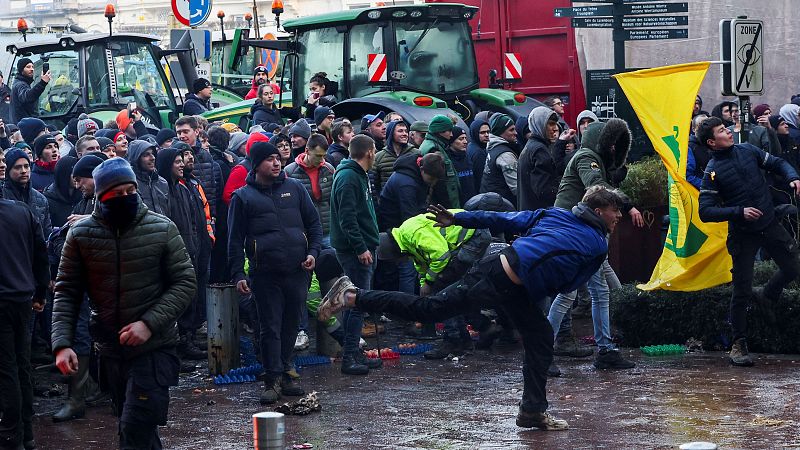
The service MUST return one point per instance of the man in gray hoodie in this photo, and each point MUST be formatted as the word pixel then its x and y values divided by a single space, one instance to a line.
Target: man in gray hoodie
pixel 152 188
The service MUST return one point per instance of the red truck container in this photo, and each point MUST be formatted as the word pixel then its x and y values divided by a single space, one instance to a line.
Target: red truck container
pixel 544 44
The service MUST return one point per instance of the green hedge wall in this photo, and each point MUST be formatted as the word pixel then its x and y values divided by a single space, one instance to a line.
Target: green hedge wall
pixel 666 317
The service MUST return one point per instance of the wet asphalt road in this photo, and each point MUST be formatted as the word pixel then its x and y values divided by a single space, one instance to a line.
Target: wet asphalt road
pixel 416 403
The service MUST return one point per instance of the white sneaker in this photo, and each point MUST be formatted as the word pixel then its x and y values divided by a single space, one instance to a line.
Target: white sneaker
pixel 361 343
pixel 333 301
pixel 302 342
pixel 385 319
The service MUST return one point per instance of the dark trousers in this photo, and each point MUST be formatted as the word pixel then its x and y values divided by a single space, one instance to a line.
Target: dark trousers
pixel 278 298
pixel 16 391
pixel 484 285
pixel 743 248
pixel 140 393
pixel 353 319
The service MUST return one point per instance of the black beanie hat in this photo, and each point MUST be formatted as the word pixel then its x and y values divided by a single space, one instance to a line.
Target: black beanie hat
pixel 457 131
pixel 260 151
pixel 200 84
pixel 500 123
pixel 164 135
pixel 21 63
pixel 41 142
pixel 84 167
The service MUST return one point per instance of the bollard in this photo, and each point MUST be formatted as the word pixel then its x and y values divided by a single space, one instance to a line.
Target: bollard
pixel 222 311
pixel 268 429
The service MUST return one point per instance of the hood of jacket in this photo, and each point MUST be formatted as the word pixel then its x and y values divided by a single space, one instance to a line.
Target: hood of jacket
pixel 494 141
pixel 349 164
pixel 301 161
pixel 717 112
pixel 522 128
pixel 164 162
pixel 390 135
pixel 258 106
pixel 585 114
pixel 601 137
pixel 62 181
pixel 583 212
pixel 537 121
pixel 474 133
pixel 135 150
pixel 789 114
pixel 23 78
pixel 407 165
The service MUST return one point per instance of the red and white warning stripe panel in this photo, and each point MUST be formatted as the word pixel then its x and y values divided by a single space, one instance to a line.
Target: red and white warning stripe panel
pixel 513 68
pixel 377 67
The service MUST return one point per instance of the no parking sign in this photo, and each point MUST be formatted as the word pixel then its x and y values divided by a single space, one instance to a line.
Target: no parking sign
pixel 191 12
pixel 270 58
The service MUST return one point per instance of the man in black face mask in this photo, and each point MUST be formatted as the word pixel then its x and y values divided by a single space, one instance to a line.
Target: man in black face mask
pixel 109 256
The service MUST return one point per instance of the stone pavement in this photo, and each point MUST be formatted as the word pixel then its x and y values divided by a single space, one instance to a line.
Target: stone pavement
pixel 415 403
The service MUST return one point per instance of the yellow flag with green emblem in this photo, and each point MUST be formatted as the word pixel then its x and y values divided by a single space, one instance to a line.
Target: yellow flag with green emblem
pixel 694 255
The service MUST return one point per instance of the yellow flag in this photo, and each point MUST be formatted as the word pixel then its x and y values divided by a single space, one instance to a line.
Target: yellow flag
pixel 694 255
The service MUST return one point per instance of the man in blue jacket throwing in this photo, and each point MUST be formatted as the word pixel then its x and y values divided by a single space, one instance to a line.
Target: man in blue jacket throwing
pixel 734 190
pixel 557 251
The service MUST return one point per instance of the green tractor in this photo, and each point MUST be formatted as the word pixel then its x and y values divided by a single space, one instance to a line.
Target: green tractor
pixel 101 74
pixel 430 63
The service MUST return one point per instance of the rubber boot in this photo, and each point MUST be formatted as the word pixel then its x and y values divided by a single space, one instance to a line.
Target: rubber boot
pixel 75 407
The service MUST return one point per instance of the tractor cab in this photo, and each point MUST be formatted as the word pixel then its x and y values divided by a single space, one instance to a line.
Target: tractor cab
pixel 100 74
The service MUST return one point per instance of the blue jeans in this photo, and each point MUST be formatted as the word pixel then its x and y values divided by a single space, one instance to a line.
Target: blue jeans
pixel 598 289
pixel 353 319
pixel 409 278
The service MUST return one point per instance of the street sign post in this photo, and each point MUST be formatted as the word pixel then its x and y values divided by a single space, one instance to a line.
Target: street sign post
pixel 747 57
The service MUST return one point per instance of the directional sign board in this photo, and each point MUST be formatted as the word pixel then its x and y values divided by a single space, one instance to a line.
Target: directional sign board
pixel 655 8
pixel 654 21
pixel 747 56
pixel 592 22
pixel 584 11
pixel 648 35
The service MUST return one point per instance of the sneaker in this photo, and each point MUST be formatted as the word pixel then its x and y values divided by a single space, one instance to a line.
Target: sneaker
pixel 540 420
pixel 739 355
pixel 361 343
pixel 272 392
pixel 611 359
pixel 568 346
pixel 333 302
pixel 445 349
pixel 291 386
pixel 553 371
pixel 384 319
pixel 302 342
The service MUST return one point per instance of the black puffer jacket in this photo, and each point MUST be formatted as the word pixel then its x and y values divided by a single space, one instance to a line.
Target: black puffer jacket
pixel 208 172
pixel 734 180
pixel 277 225
pixel 152 188
pixel 34 199
pixel 155 283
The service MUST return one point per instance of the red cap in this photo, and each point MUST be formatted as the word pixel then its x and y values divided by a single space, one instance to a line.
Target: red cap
pixel 123 120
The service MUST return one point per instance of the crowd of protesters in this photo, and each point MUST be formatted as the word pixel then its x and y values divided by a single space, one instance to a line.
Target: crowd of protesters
pixel 119 228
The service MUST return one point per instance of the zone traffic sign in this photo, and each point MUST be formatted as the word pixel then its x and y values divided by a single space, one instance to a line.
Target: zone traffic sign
pixel 747 57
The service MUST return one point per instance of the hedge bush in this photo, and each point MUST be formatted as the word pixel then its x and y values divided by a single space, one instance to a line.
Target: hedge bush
pixel 667 317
